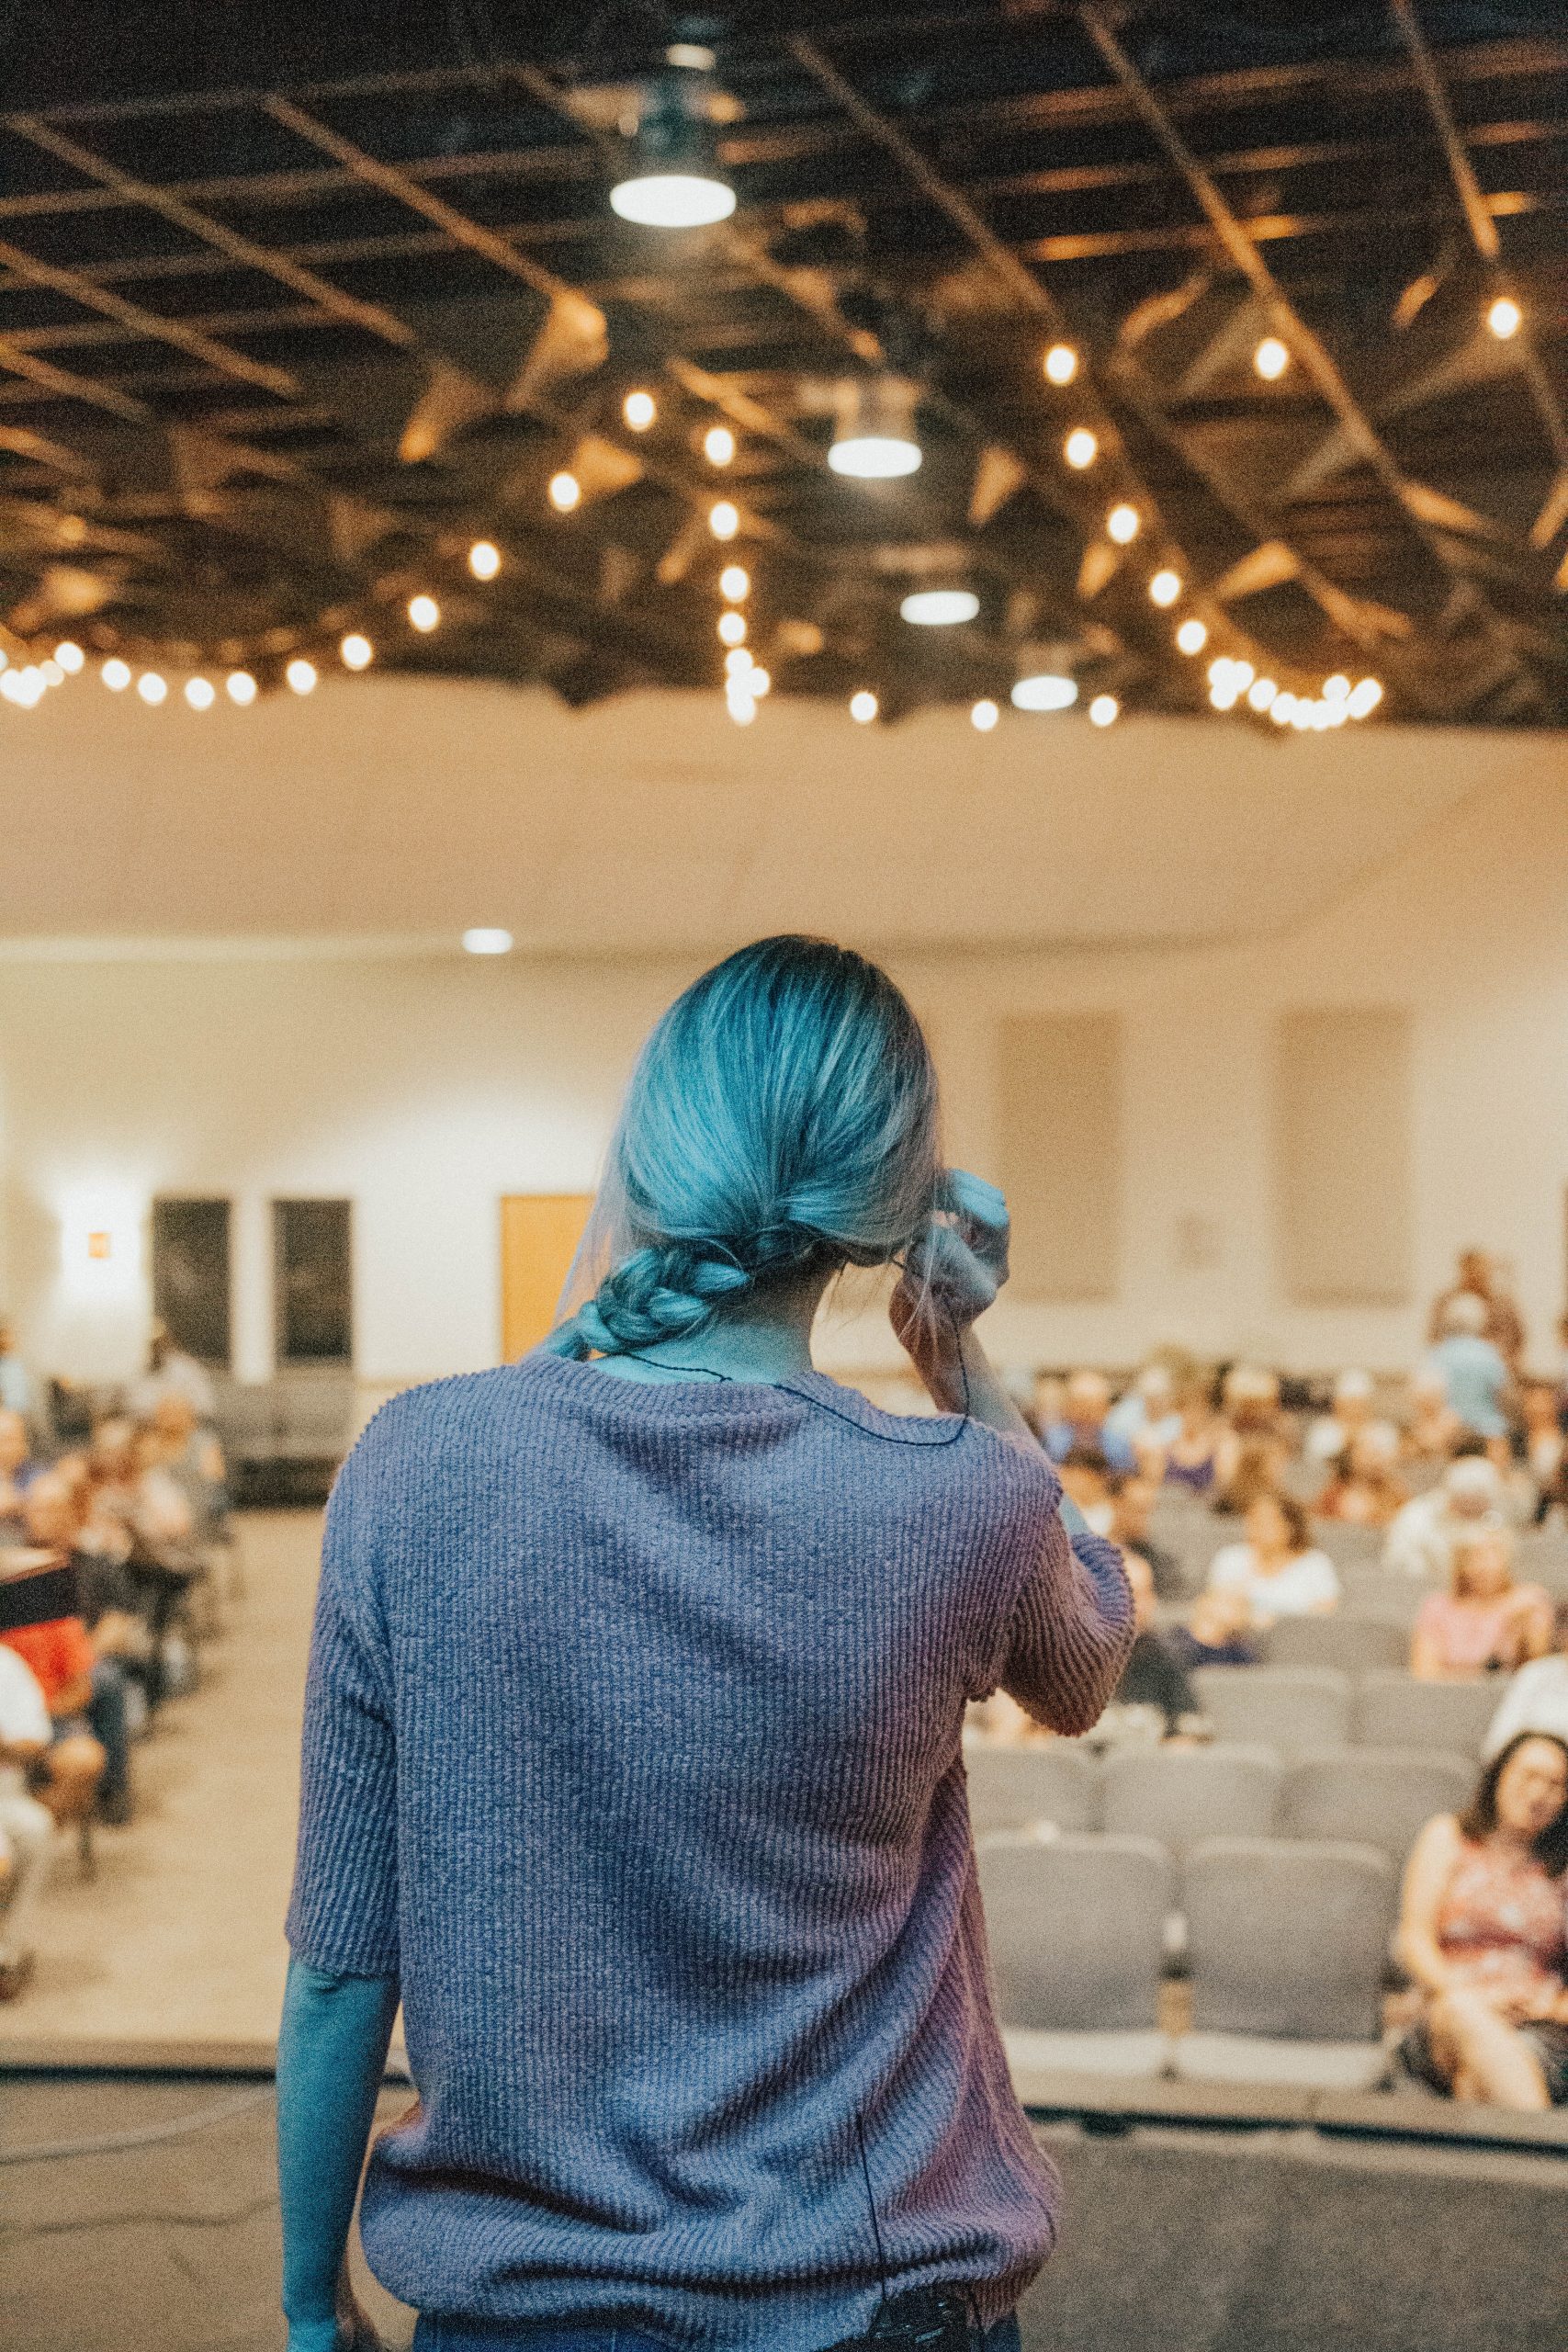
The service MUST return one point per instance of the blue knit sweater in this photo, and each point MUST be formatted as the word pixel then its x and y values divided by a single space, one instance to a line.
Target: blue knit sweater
pixel 632 1747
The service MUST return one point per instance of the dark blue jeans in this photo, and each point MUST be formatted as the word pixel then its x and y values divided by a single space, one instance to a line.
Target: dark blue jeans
pixel 435 2335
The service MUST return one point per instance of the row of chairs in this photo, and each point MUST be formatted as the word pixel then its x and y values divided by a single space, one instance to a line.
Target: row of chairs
pixel 1178 1796
pixel 1298 1707
pixel 1286 1949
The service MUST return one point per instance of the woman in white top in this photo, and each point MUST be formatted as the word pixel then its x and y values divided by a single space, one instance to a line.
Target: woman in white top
pixel 1277 1570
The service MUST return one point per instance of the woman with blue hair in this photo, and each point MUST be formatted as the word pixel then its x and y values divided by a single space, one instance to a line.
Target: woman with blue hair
pixel 632 1756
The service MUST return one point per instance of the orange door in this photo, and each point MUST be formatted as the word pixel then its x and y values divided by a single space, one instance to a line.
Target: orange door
pixel 539 1234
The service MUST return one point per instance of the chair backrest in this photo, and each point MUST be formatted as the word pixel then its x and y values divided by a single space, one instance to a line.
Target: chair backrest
pixel 1348 1545
pixel 1383 1592
pixel 1347 1643
pixel 1543 1560
pixel 1291 1707
pixel 1287 1937
pixel 1373 1796
pixel 1076 1927
pixel 1009 1788
pixel 1177 1796
pixel 1395 1710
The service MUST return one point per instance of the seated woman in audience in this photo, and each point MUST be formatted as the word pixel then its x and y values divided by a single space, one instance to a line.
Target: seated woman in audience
pixel 1537 1698
pixel 1189 1456
pixel 17 1471
pixel 1250 1399
pixel 1432 1427
pixel 1353 1417
pixel 1482 1932
pixel 1276 1571
pixel 59 1655
pixel 1215 1633
pixel 1154 1675
pixel 1256 1468
pixel 114 1634
pixel 1087 1479
pixel 1544 1442
pixel 1484 1623
pixel 1364 1489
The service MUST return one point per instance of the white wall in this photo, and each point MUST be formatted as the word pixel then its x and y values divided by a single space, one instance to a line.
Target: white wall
pixel 427 1086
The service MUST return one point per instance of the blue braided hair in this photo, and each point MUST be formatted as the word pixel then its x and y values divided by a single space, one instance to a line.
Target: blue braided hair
pixel 780 1123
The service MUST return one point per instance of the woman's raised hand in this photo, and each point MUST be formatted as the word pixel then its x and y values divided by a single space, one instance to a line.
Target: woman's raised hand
pixel 952 1273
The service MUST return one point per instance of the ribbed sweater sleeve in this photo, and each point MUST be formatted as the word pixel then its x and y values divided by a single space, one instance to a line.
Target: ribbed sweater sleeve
pixel 1072 1627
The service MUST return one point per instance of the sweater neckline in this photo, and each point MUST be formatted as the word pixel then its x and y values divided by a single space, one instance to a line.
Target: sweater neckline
pixel 717 1400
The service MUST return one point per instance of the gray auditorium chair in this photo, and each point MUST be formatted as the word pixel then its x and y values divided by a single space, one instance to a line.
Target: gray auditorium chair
pixel 1373 1796
pixel 1395 1710
pixel 1075 1926
pixel 1011 1788
pixel 1383 1592
pixel 1177 1796
pixel 1286 1945
pixel 1291 1707
pixel 1347 1545
pixel 1349 1642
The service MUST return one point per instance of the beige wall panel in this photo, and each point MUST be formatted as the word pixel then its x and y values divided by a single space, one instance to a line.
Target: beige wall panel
pixel 1342 1156
pixel 1059 1151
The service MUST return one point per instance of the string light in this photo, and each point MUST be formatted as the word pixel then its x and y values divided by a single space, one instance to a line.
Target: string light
pixel 718 445
pixel 301 675
pixel 738 662
pixel 1338 688
pixel 565 492
pixel 50 673
pixel 1505 318
pixel 1364 698
pixel 743 706
pixel 425 612
pixel 864 708
pixel 1165 588
pixel 1122 524
pixel 241 688
pixel 1103 709
pixel 1224 696
pixel 151 689
pixel 70 657
pixel 1060 364
pixel 200 693
pixel 1261 694
pixel 723 519
pixel 985 715
pixel 357 652
pixel 735 583
pixel 732 628
pixel 1191 637
pixel 1281 706
pixel 640 410
pixel 1045 690
pixel 24 688
pixel 116 675
pixel 1080 449
pixel 1302 716
pixel 1270 358
pixel 484 560
pixel 758 683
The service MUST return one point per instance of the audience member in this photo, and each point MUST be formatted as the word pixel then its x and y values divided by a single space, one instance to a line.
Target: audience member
pixel 1544 1442
pixel 60 1656
pixel 191 1459
pixel 1275 1570
pixel 1131 1509
pixel 102 1640
pixel 1085 1404
pixel 1215 1633
pixel 1432 1427
pixel 1482 1932
pixel 1480 1277
pixel 26 1827
pixel 1250 1405
pixel 1537 1698
pixel 1086 1477
pixel 1189 1456
pixel 1484 1623
pixel 1364 1489
pixel 1333 1433
pixel 1145 1420
pixel 1154 1674
pixel 16 1388
pixel 171 1373
pixel 1475 1375
pixel 15 1467
pixel 1257 1467
pixel 1420 1537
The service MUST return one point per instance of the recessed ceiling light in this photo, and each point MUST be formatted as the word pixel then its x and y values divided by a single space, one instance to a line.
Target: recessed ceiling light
pixel 1271 358
pixel 484 560
pixel 1505 318
pixel 483 941
pixel 674 200
pixel 1102 710
pixel 864 708
pixel 1044 691
pixel 940 608
pixel 1060 363
pixel 985 715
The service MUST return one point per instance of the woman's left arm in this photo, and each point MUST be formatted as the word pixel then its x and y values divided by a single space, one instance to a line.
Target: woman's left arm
pixel 332 2050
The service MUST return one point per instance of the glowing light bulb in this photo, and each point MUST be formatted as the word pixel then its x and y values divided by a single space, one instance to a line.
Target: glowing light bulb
pixel 1122 524
pixel 732 628
pixel 723 519
pixel 565 492
pixel 70 657
pixel 1080 449
pixel 301 675
pixel 1045 690
pixel 640 410
pixel 985 715
pixel 1224 697
pixel 735 583
pixel 1338 688
pixel 1060 364
pixel 200 693
pixel 1270 358
pixel 241 688
pixel 50 673
pixel 355 652
pixel 1242 676
pixel 718 445
pixel 484 560
pixel 864 708
pixel 1261 694
pixel 151 689
pixel 738 662
pixel 1505 318
pixel 1165 588
pixel 743 706
pixel 1364 698
pixel 485 939
pixel 425 612
pixel 116 675
pixel 673 201
pixel 758 683
pixel 1191 637
pixel 1280 710
pixel 1103 709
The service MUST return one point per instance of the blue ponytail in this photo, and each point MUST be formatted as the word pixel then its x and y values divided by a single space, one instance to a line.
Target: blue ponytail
pixel 780 1122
